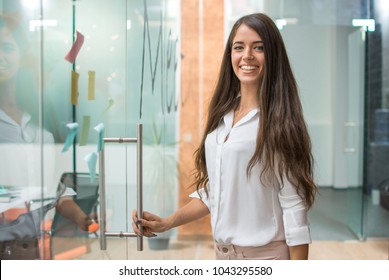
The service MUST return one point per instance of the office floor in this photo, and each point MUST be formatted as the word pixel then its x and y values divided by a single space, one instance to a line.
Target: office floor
pixel 338 213
pixel 204 250
pixel 335 226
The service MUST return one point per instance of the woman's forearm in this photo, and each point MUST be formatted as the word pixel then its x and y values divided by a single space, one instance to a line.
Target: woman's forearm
pixel 192 211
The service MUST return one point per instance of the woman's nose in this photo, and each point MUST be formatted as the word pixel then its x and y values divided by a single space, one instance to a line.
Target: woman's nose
pixel 248 55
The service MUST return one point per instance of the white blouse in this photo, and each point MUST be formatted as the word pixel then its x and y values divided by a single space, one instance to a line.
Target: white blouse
pixel 245 211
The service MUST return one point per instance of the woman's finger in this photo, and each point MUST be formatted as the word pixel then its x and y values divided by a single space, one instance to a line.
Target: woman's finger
pixel 150 217
pixel 145 231
pixel 136 228
pixel 135 216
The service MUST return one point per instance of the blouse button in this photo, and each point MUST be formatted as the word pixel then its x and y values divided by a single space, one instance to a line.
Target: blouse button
pixel 225 250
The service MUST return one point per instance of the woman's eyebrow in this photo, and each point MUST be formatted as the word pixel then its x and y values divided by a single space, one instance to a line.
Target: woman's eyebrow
pixel 255 42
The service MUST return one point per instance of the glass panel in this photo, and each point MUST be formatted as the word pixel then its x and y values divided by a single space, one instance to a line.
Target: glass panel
pixel 354 128
pixel 103 59
pixel 57 113
pixel 152 74
pixel 131 63
pixel 27 142
pixel 377 124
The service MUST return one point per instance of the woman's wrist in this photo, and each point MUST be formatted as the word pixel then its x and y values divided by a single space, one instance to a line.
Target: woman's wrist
pixel 167 223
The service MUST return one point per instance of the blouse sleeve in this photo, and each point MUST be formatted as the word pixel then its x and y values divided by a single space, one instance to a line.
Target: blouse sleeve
pixel 295 216
pixel 203 195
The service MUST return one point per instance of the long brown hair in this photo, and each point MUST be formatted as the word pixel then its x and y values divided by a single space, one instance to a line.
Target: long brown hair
pixel 282 137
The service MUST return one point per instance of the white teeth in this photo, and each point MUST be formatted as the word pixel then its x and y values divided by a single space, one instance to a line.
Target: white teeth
pixel 245 67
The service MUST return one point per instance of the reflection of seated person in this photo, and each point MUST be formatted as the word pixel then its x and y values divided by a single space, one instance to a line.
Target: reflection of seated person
pixel 26 148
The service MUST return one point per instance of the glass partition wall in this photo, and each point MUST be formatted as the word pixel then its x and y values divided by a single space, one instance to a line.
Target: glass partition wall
pixel 89 70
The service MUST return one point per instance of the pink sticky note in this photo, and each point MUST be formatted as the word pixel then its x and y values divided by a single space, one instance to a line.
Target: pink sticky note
pixel 72 54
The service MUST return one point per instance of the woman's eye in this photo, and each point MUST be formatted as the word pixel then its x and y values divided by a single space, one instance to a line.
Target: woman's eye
pixel 259 48
pixel 238 48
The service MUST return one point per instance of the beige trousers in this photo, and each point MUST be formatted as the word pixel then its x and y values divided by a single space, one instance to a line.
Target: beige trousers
pixel 277 250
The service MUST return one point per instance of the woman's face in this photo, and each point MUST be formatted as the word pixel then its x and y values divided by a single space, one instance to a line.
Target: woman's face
pixel 247 56
pixel 9 55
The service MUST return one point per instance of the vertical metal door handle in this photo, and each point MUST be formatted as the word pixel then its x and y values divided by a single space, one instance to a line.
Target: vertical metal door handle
pixel 103 216
pixel 139 185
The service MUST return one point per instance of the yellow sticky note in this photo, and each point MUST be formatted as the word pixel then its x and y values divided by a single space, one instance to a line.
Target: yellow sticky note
pixel 74 88
pixel 84 131
pixel 91 85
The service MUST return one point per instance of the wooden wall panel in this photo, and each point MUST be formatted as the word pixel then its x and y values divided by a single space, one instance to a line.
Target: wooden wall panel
pixel 196 87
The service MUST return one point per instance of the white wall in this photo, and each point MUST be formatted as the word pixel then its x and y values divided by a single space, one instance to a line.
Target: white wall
pixel 310 53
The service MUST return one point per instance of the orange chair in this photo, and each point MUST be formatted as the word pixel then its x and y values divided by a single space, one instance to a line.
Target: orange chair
pixel 21 230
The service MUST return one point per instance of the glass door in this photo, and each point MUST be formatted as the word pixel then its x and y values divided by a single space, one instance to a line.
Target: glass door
pixel 153 79
pixel 31 163
pixel 120 70
pixel 355 129
pixel 73 73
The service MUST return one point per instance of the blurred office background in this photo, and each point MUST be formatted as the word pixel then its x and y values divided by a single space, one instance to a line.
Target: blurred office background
pixel 155 62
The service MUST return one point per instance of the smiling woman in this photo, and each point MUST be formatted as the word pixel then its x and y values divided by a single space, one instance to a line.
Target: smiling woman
pixel 254 163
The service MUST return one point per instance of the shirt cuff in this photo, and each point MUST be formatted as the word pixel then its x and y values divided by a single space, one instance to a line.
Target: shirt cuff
pixel 298 236
pixel 296 225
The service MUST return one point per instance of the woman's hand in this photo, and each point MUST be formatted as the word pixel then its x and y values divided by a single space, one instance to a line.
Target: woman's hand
pixel 150 223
